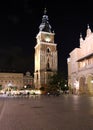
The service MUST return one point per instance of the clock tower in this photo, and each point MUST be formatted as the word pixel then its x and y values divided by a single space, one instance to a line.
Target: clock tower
pixel 45 54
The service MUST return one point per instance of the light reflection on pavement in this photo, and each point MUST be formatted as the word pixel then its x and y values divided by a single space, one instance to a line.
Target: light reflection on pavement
pixel 64 112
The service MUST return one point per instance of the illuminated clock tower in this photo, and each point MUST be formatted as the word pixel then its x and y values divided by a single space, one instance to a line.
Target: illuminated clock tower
pixel 45 54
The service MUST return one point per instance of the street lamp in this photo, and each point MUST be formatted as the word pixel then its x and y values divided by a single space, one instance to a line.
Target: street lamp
pixel 65 85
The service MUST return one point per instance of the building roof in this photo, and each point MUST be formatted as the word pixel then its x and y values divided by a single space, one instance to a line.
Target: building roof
pixel 45 26
pixel 85 57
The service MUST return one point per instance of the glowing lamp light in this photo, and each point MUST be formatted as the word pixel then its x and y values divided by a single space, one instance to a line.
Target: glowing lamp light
pixel 9 84
pixel 25 86
pixel 76 84
pixel 92 81
pixel 47 39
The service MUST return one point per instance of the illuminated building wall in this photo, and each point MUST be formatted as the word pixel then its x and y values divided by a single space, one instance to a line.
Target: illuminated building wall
pixel 28 80
pixel 45 54
pixel 11 80
pixel 18 80
pixel 80 64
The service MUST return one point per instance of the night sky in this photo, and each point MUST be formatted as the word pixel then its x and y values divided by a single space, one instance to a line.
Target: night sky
pixel 19 25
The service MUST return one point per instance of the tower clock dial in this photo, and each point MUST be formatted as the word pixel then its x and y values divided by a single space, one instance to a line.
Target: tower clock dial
pixel 47 38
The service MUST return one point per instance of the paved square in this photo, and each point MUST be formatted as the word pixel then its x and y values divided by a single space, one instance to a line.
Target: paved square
pixel 65 112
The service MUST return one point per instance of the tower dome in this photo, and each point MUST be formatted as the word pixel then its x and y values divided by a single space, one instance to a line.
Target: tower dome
pixel 27 73
pixel 45 26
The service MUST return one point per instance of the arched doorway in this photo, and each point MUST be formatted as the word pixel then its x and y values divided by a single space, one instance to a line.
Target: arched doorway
pixel 90 84
pixel 82 85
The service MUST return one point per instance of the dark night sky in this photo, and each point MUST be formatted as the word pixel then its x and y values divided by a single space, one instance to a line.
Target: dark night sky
pixel 19 26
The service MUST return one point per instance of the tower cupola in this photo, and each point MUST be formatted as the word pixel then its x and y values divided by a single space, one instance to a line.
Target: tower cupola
pixel 45 26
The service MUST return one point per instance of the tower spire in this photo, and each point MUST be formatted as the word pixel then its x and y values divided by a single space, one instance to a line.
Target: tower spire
pixel 45 11
pixel 45 26
pixel 81 38
pixel 88 30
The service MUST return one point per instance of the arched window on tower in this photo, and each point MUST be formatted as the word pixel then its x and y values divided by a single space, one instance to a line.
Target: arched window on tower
pixel 48 65
pixel 48 53
pixel 48 50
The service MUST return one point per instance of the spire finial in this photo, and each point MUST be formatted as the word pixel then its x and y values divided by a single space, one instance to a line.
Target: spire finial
pixel 88 26
pixel 81 38
pixel 45 11
pixel 80 35
pixel 88 32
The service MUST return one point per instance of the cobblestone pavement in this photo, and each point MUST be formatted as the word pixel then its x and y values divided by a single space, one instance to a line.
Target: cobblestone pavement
pixel 65 112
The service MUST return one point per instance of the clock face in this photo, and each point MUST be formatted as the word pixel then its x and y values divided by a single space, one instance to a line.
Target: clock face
pixel 47 38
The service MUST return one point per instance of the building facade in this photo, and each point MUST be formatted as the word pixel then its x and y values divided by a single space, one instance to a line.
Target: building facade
pixel 45 54
pixel 80 65
pixel 28 80
pixel 11 80
pixel 15 80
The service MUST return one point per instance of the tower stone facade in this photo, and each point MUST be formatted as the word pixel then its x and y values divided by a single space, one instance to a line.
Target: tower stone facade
pixel 45 54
